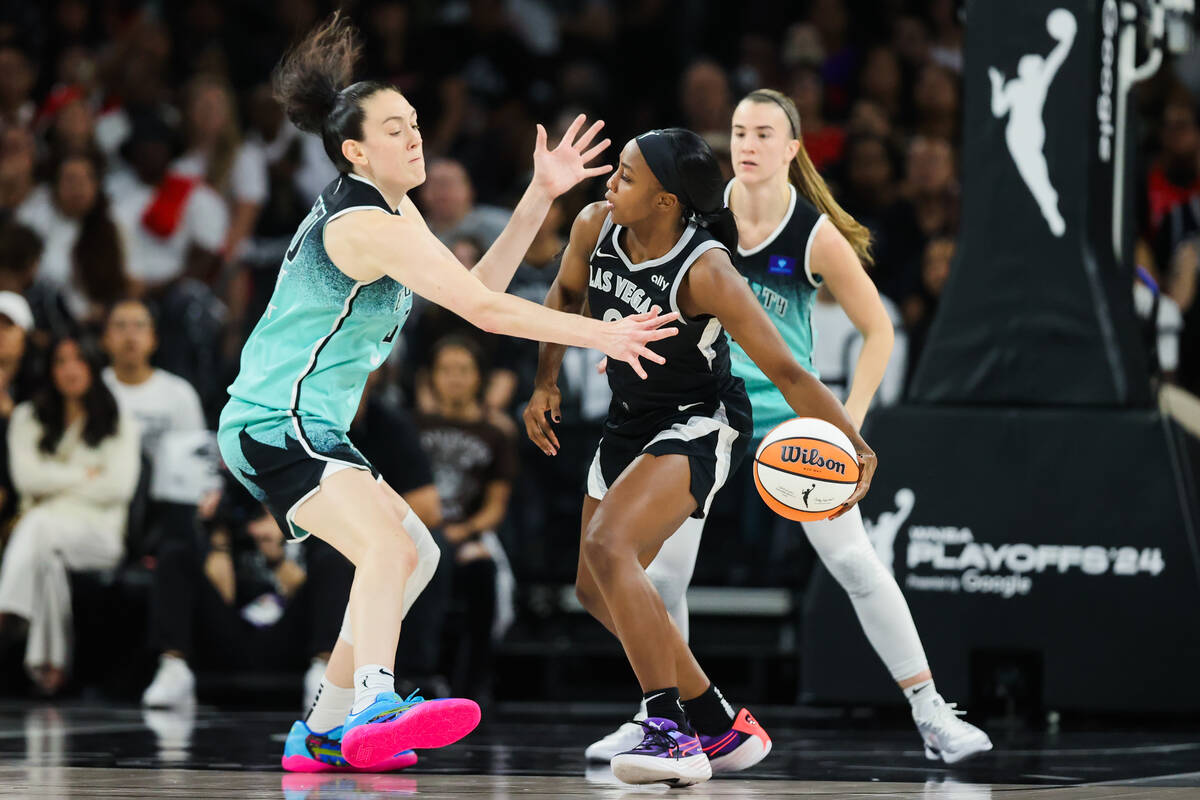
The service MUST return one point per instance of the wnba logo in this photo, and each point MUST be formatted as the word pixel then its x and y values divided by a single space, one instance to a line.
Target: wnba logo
pixel 792 454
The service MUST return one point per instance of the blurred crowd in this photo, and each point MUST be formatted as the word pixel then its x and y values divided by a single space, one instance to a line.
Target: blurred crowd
pixel 150 184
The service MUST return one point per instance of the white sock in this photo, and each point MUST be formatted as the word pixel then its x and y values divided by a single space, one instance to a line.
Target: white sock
pixel 369 681
pixel 329 708
pixel 919 695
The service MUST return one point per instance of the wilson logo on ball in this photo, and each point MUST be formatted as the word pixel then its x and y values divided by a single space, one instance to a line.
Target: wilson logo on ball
pixel 790 454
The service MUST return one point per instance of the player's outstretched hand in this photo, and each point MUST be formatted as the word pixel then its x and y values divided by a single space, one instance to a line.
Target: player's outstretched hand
pixel 867 462
pixel 626 338
pixel 555 171
pixel 545 399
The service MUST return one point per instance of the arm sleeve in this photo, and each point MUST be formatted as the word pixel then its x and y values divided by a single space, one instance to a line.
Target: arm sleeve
pixel 33 472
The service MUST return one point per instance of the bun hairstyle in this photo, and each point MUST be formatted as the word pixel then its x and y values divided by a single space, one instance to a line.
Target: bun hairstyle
pixel 312 83
pixel 804 176
pixel 687 168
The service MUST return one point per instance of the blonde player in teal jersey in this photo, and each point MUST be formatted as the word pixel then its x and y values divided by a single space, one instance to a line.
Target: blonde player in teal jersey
pixel 792 238
pixel 344 289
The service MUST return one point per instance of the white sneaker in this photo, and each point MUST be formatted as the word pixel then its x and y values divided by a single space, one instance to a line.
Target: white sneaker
pixel 312 682
pixel 948 738
pixel 173 686
pixel 624 738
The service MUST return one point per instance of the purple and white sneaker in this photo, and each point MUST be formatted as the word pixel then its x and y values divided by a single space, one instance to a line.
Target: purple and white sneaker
pixel 741 747
pixel 666 755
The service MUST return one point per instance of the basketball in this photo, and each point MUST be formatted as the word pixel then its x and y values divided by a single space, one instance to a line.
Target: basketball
pixel 805 469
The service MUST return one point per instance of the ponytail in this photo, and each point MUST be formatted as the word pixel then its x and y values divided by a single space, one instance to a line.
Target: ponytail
pixel 312 83
pixel 804 176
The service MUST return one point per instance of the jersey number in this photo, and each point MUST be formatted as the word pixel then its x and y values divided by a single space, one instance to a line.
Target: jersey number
pixel 388 339
pixel 316 215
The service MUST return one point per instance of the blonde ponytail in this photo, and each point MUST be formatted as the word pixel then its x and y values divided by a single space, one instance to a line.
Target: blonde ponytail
pixel 804 176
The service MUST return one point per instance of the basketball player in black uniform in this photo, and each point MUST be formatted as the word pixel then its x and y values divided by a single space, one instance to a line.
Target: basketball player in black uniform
pixel 662 240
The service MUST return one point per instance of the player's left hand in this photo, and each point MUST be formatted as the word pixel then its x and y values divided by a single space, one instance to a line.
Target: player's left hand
pixel 555 171
pixel 867 462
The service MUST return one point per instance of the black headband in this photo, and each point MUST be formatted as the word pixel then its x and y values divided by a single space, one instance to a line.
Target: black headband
pixel 660 157
pixel 786 113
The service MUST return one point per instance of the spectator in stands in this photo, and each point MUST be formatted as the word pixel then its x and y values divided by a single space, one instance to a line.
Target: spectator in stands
pixel 74 461
pixel 474 464
pixel 1174 177
pixel 18 160
pixel 832 21
pixel 174 225
pixel 175 441
pixel 947 44
pixel 217 154
pixel 71 122
pixel 705 98
pixel 870 194
pixel 931 185
pixel 448 205
pixel 16 320
pixel 822 139
pixel 921 305
pixel 936 99
pixel 83 252
pixel 246 601
pixel 882 82
pixel 17 76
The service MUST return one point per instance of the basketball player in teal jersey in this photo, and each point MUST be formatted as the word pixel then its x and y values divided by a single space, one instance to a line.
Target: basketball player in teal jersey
pixel 792 238
pixel 670 441
pixel 344 289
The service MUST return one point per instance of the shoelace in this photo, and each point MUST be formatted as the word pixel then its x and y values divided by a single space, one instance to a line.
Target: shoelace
pixel 413 699
pixel 946 716
pixel 654 736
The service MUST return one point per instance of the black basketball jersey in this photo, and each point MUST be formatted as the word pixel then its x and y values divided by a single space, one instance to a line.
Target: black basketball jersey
pixel 697 368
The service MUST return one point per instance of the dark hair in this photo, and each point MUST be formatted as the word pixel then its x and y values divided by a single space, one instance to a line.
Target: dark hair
pixel 99 405
pixel 473 349
pixel 696 180
pixel 20 247
pixel 97 257
pixel 808 181
pixel 312 83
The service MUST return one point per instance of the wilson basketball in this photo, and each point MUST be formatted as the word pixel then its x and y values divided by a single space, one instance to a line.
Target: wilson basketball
pixel 805 469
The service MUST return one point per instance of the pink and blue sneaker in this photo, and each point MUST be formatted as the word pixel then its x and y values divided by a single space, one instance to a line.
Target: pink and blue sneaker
pixel 392 724
pixel 309 751
pixel 666 755
pixel 741 747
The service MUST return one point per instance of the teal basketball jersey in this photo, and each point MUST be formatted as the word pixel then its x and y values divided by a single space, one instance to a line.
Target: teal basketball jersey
pixel 323 332
pixel 779 273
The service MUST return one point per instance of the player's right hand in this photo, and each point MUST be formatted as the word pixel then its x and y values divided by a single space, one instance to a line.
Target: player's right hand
pixel 544 399
pixel 867 462
pixel 625 339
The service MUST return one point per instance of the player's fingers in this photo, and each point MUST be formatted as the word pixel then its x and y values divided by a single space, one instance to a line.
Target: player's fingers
pixel 588 135
pixel 655 334
pixel 593 172
pixel 602 366
pixel 597 150
pixel 665 319
pixel 636 363
pixel 573 130
pixel 540 143
pixel 650 355
pixel 556 408
pixel 542 440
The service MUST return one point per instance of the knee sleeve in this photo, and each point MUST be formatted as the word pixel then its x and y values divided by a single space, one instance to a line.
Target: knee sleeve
pixel 428 555
pixel 857 569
